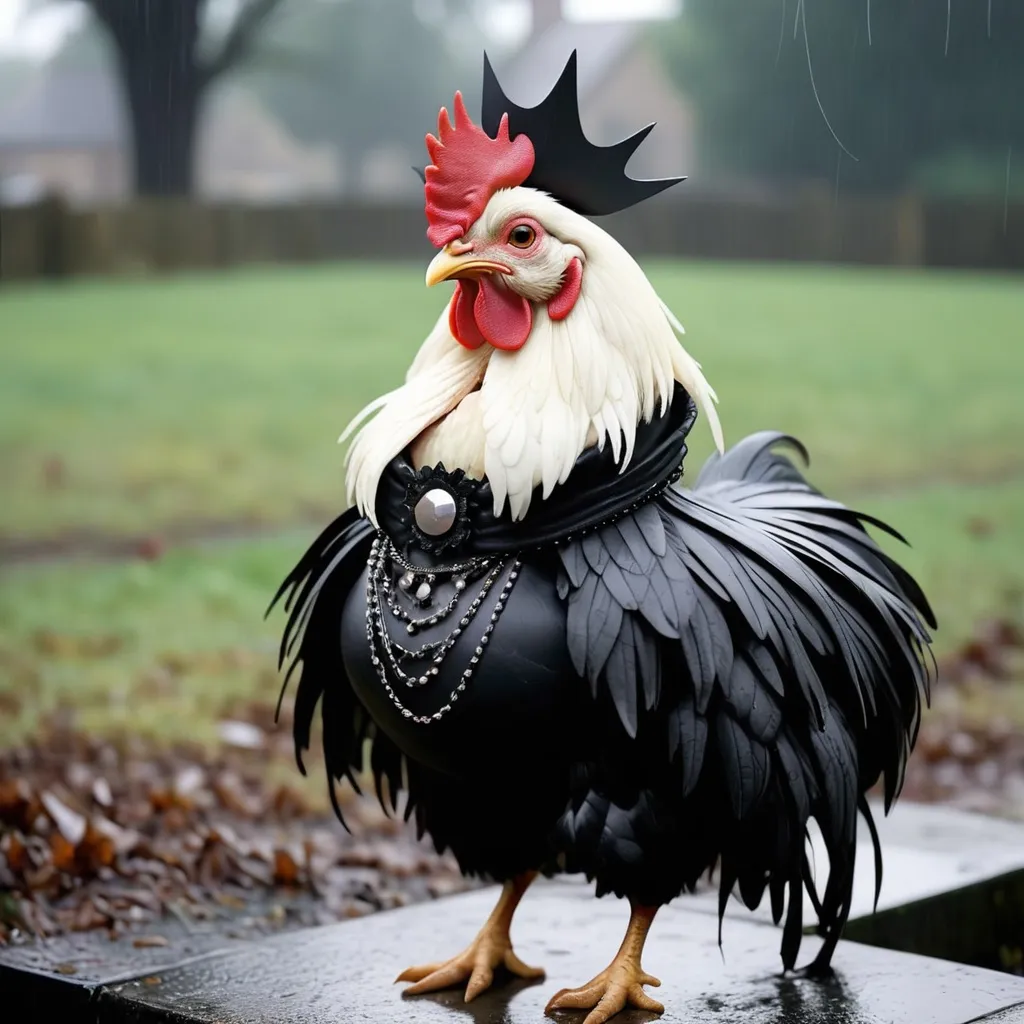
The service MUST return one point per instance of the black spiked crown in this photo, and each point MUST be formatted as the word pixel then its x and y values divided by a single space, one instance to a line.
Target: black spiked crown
pixel 586 178
pixel 582 176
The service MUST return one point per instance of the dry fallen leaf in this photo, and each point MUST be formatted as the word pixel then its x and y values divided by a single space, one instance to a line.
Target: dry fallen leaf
pixel 62 852
pixel 241 734
pixel 18 805
pixel 101 792
pixel 96 850
pixel 286 871
pixel 70 823
pixel 15 852
pixel 189 780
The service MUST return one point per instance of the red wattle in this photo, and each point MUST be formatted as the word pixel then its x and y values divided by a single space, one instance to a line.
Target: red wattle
pixel 560 305
pixel 504 318
pixel 460 315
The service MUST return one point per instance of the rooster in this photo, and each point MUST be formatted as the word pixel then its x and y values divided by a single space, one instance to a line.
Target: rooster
pixel 558 656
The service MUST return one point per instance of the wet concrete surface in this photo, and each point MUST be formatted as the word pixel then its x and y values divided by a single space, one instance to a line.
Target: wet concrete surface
pixel 235 969
pixel 65 972
pixel 342 973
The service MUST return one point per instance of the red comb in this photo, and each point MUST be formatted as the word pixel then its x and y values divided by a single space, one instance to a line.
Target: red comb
pixel 467 168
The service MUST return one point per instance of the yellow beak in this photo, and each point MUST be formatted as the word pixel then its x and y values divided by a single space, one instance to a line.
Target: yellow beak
pixel 446 265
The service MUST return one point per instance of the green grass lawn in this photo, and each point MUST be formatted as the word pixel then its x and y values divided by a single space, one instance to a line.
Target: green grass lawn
pixel 133 407
pixel 221 398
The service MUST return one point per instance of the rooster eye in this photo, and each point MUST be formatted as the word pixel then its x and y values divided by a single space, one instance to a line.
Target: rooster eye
pixel 522 236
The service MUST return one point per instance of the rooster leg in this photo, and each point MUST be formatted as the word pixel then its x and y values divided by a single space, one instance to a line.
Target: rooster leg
pixel 621 983
pixel 490 949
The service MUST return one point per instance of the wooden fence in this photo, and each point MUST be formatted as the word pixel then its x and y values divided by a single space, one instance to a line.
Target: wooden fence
pixel 51 240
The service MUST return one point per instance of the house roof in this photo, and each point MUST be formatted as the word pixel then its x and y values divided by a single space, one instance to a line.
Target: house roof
pixel 528 74
pixel 64 108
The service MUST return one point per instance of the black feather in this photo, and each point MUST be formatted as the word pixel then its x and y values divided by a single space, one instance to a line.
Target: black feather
pixel 620 676
pixel 317 589
pixel 649 664
pixel 687 734
pixel 876 846
pixel 791 660
pixel 745 765
pixel 792 931
pixel 604 629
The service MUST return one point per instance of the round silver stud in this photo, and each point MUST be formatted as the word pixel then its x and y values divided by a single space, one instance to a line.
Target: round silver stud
pixel 435 512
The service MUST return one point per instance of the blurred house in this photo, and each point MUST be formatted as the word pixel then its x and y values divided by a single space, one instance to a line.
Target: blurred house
pixel 67 130
pixel 246 153
pixel 622 85
pixel 64 131
pixel 622 88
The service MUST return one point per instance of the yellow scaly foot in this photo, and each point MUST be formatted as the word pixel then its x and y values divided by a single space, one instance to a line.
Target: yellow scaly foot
pixel 621 983
pixel 492 948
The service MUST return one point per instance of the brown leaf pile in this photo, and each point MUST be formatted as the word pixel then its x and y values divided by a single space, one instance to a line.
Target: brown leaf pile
pixel 973 766
pixel 96 835
pixel 970 754
pixel 992 654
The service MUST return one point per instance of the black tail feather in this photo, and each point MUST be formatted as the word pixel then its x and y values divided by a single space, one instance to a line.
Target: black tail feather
pixel 794 659
pixel 316 590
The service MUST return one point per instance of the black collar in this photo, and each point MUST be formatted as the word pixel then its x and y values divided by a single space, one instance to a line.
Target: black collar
pixel 594 492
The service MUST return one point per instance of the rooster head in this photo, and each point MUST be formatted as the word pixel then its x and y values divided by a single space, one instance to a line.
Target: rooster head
pixel 494 244
pixel 554 340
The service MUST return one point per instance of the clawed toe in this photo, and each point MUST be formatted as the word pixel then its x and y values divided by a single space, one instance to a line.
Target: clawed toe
pixel 475 966
pixel 492 948
pixel 608 994
pixel 418 973
pixel 434 977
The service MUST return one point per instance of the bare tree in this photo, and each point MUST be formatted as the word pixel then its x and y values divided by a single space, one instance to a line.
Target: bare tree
pixel 166 75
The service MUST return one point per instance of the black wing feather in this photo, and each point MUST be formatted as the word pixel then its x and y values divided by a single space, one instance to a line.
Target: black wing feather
pixel 784 653
pixel 687 736
pixel 316 590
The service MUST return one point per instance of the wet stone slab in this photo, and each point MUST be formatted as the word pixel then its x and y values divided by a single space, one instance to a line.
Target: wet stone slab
pixel 949 876
pixel 345 972
pixel 63 974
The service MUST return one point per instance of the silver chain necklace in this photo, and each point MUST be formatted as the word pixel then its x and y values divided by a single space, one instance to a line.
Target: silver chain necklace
pixel 385 652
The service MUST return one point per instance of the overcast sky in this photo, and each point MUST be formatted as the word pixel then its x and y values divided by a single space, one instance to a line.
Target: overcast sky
pixel 39 34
